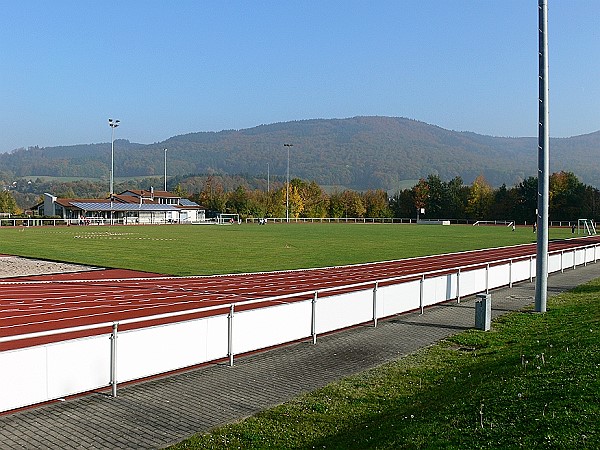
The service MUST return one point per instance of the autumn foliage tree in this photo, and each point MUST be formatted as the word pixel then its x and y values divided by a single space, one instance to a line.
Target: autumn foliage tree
pixel 566 196
pixel 8 205
pixel 376 203
pixel 480 199
pixel 420 194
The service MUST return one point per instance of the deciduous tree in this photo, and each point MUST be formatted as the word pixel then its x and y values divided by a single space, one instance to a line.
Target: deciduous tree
pixel 480 199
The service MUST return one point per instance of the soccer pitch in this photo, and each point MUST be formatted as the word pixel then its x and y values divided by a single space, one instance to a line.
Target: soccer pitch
pixel 211 249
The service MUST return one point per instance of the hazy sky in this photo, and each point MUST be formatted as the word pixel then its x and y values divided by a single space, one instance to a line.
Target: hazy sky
pixel 169 68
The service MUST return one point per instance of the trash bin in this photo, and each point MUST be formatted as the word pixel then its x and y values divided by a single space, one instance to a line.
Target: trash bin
pixel 483 312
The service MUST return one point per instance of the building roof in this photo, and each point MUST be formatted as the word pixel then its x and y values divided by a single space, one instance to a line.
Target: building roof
pixel 130 200
pixel 186 202
pixel 156 193
pixel 67 202
pixel 106 206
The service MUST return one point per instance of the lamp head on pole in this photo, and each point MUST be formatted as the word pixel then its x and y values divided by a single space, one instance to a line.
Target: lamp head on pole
pixel 113 123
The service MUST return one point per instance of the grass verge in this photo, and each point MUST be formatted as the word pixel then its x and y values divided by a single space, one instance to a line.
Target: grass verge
pixel 530 382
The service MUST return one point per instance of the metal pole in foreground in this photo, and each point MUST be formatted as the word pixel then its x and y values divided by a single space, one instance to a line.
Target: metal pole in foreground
pixel 113 359
pixel 230 335
pixel 313 319
pixel 541 280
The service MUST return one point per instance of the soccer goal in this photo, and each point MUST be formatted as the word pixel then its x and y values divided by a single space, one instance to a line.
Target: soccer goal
pixel 586 226
pixel 227 219
pixel 507 223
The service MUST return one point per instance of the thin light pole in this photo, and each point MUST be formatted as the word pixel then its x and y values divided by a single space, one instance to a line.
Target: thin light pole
pixel 287 192
pixel 165 170
pixel 541 280
pixel 112 124
pixel 268 179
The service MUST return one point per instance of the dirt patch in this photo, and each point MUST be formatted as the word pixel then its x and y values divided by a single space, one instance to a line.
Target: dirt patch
pixel 15 266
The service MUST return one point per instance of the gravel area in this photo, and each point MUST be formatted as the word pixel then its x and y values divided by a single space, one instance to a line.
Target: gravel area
pixel 15 266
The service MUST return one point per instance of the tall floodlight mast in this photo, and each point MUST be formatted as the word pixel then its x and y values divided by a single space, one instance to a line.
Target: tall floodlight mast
pixel 165 170
pixel 112 124
pixel 541 280
pixel 287 192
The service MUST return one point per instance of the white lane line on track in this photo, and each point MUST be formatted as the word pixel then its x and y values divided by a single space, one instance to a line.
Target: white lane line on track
pixel 77 318
pixel 112 308
pixel 50 302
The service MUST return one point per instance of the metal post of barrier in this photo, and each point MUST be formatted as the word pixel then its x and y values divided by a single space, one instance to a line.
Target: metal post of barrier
pixel 113 359
pixel 487 278
pixel 510 264
pixel 530 269
pixel 574 258
pixel 313 320
pixel 230 335
pixel 375 304
pixel 584 256
pixel 421 292
pixel 562 266
pixel 458 286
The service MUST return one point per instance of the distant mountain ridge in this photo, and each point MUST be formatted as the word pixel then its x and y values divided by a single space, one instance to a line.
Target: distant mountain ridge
pixel 365 152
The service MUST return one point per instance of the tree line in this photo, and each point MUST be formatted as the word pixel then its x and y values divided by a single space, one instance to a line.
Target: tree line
pixel 570 199
pixel 248 196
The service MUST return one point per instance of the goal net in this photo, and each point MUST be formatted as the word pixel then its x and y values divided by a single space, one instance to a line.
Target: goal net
pixel 586 226
pixel 225 218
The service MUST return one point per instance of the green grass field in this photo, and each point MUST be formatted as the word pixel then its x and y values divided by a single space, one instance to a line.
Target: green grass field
pixel 211 249
pixel 531 382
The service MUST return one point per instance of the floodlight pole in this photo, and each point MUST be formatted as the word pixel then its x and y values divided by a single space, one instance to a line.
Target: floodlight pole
pixel 112 124
pixel 287 192
pixel 541 280
pixel 165 170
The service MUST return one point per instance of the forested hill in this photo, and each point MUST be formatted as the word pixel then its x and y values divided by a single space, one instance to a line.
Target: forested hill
pixel 358 153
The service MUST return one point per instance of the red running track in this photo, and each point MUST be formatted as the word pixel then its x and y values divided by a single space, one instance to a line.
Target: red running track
pixel 55 302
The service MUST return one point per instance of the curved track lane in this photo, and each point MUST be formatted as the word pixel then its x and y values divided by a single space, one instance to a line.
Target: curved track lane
pixel 55 302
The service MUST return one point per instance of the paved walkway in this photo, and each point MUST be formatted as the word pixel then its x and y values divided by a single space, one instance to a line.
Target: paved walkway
pixel 156 413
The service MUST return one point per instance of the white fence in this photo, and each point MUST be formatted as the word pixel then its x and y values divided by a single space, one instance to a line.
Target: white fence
pixel 405 220
pixel 52 371
pixel 39 222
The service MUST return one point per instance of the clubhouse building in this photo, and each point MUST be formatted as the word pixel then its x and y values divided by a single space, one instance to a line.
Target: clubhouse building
pixel 128 207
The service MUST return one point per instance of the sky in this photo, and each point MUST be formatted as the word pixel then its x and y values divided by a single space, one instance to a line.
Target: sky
pixel 171 68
